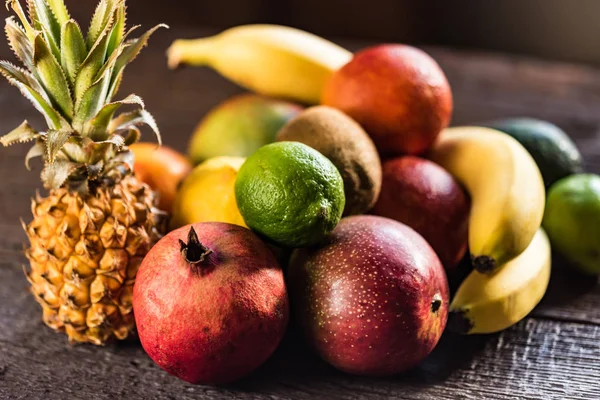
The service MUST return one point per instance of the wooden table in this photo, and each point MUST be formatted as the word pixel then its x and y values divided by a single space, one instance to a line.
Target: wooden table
pixel 553 354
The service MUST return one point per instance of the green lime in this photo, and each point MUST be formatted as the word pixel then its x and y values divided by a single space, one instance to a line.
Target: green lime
pixel 290 193
pixel 572 220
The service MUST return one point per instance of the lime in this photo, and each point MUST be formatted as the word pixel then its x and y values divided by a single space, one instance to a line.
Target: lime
pixel 290 193
pixel 572 220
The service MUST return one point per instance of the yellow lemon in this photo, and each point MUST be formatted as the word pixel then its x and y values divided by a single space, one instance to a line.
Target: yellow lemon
pixel 207 194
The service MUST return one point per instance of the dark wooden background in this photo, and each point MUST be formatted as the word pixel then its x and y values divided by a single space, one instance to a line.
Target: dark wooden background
pixel 552 354
pixel 557 29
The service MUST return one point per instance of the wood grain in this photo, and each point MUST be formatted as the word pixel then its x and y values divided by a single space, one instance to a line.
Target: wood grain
pixel 552 355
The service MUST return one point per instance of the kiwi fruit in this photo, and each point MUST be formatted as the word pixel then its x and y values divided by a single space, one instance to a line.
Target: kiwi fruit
pixel 342 140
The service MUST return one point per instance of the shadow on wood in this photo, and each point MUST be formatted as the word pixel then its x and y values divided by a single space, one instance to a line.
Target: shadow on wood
pixel 567 285
pixel 295 359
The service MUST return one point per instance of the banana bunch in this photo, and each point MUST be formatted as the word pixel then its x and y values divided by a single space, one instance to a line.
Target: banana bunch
pixel 488 303
pixel 510 251
pixel 272 60
pixel 506 188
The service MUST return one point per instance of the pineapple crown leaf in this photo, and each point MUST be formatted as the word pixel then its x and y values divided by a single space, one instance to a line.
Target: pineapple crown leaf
pixel 37 150
pixel 88 106
pixel 92 63
pixel 16 7
pixel 22 134
pixel 133 49
pixel 126 121
pixel 52 77
pixel 59 9
pixel 30 89
pixel 102 17
pixel 71 79
pixel 55 175
pixel 118 31
pixel 114 140
pixel 132 136
pixel 44 20
pixel 22 75
pixel 73 50
pixel 19 43
pixel 55 140
pixel 98 126
pixel 74 151
pixel 123 157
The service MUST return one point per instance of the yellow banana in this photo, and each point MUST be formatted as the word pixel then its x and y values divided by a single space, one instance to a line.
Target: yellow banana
pixel 272 60
pixel 506 188
pixel 488 303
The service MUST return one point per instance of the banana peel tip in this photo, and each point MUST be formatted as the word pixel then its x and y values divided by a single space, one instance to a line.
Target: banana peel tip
pixel 484 264
pixel 459 322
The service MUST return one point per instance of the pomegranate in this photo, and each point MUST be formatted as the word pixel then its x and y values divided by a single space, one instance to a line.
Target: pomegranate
pixel 210 303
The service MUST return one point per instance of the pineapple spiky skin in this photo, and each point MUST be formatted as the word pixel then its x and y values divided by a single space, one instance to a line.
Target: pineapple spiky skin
pixel 84 256
pixel 88 237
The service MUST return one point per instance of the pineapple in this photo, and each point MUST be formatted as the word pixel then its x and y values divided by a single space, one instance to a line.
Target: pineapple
pixel 88 237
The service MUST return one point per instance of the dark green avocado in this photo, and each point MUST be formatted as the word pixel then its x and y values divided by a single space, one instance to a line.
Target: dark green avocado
pixel 554 152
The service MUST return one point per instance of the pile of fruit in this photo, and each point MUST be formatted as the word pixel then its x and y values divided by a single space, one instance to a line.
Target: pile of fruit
pixel 354 212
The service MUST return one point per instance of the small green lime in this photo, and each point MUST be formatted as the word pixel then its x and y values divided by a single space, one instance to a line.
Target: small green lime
pixel 572 220
pixel 290 193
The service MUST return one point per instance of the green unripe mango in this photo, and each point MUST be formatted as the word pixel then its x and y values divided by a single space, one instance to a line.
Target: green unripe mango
pixel 240 126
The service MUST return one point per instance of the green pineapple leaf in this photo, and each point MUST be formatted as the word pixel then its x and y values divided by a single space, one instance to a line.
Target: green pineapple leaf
pixel 32 90
pixel 55 174
pixel 73 50
pixel 126 121
pixel 98 125
pixel 22 134
pixel 92 100
pixel 74 150
pixel 55 140
pixel 92 64
pixel 44 21
pixel 134 47
pixel 19 43
pixel 59 10
pixel 114 140
pixel 38 150
pixel 52 77
pixel 118 29
pixel 101 19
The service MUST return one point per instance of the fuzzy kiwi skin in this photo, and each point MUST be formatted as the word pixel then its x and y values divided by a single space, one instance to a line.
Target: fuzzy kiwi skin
pixel 342 140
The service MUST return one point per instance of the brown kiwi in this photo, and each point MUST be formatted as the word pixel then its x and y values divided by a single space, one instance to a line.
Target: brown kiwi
pixel 342 140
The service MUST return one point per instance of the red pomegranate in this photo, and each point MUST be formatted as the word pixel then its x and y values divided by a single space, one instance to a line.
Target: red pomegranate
pixel 210 303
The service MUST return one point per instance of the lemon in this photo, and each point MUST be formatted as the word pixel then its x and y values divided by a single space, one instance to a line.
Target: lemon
pixel 207 194
pixel 290 193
